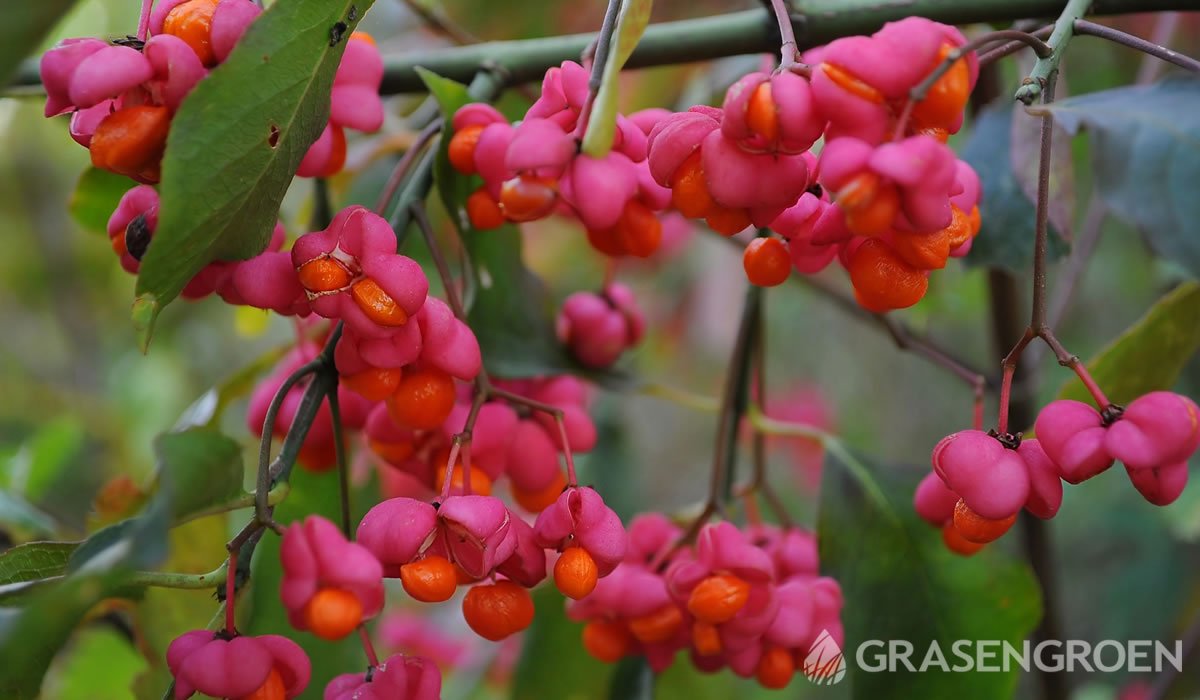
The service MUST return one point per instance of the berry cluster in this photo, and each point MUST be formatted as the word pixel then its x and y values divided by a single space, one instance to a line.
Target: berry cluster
pixel 535 168
pixel 751 600
pixel 223 665
pixel 981 481
pixel 474 539
pixel 122 95
pixel 598 327
pixel 885 195
pixel 507 440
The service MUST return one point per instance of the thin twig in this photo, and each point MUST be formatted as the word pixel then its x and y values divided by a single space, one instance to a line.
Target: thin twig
pixel 788 48
pixel 1012 47
pixel 343 468
pixel 733 402
pixel 441 24
pixel 1042 211
pixel 405 165
pixel 264 450
pixel 1045 69
pixel 760 484
pixel 1137 43
pixel 603 46
pixel 421 216
pixel 921 89
pixel 904 337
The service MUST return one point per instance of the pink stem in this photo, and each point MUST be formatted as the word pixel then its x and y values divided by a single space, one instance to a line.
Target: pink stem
pixel 450 462
pixel 466 467
pixel 788 46
pixel 1005 393
pixel 566 446
pixel 367 646
pixel 143 30
pixel 1094 389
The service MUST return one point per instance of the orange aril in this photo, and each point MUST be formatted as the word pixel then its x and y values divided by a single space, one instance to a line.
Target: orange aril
pixel 525 198
pixel 848 82
pixel 874 217
pixel 775 668
pixel 959 231
pixel 483 211
pixel 377 304
pixel 429 580
pixel 767 262
pixel 131 141
pixel 727 221
pixel 638 232
pixel 689 191
pixel 882 281
pixel 946 99
pixel 323 274
pixel 575 573
pixel 718 598
pixel 497 610
pixel 761 115
pixel 393 452
pixel 975 528
pixel 375 384
pixel 607 640
pixel 924 251
pixel 537 501
pixel 958 544
pixel 705 639
pixel 481 483
pixel 272 689
pixel 423 399
pixel 858 192
pixel 333 613
pixel 658 626
pixel 461 150
pixel 192 22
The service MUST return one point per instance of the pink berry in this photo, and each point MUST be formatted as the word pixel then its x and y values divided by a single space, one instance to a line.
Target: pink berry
pixel 1155 430
pixel 991 479
pixel 1045 485
pixel 1072 434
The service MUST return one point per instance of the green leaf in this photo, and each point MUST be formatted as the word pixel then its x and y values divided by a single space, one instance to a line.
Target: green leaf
pixel 908 586
pixel 573 673
pixel 1006 236
pixel 101 664
pixel 96 195
pixel 237 141
pixel 25 25
pixel 18 513
pixel 29 641
pixel 1150 354
pixel 43 458
pixel 602 122
pixel 204 469
pixel 311 494
pixel 1145 144
pixel 510 310
pixel 35 560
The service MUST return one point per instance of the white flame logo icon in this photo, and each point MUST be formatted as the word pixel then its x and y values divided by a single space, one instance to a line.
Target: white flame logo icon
pixel 824 664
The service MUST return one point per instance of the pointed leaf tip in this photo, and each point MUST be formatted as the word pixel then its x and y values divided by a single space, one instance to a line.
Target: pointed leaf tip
pixel 145 312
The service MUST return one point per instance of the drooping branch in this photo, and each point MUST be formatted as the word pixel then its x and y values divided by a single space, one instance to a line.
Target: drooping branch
pixel 706 38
